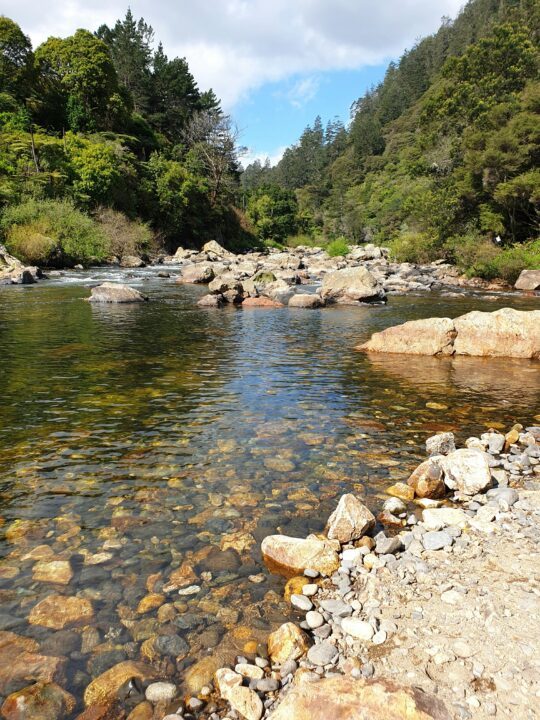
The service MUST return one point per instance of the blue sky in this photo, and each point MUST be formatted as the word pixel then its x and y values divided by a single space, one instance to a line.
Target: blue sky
pixel 275 64
pixel 273 116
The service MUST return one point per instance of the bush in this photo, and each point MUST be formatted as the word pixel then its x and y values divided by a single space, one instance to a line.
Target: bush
pixel 415 247
pixel 478 257
pixel 338 247
pixel 124 236
pixel 294 241
pixel 52 233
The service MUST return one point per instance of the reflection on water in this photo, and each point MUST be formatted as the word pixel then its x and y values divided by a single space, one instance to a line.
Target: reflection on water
pixel 141 440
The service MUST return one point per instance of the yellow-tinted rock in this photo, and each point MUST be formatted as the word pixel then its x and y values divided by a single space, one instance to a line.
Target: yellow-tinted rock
pixel 291 556
pixel 150 602
pixel 402 491
pixel 288 642
pixel 103 689
pixel 59 611
pixel 143 711
pixel 346 698
pixel 42 701
pixel 294 586
pixel 427 481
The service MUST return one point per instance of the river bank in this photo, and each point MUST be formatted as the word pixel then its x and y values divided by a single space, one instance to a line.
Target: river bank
pixel 444 604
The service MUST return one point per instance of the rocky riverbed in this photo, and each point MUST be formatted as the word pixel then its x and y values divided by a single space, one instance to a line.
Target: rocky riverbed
pixel 425 609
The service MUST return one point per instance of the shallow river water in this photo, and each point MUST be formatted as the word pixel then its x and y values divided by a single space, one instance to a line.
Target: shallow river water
pixel 136 440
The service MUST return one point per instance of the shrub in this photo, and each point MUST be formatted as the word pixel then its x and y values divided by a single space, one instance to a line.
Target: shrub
pixel 415 247
pixel 124 236
pixel 53 233
pixel 294 241
pixel 338 247
pixel 478 257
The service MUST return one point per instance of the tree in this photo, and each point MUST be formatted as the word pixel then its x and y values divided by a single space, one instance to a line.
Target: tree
pixel 273 211
pixel 78 74
pixel 212 138
pixel 16 60
pixel 130 44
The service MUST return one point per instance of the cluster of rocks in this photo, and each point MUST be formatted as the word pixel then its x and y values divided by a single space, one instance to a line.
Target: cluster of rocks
pixel 14 272
pixel 503 333
pixel 275 278
pixel 350 587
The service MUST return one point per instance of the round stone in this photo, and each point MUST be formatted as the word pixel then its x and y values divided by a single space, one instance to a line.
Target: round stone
pixel 359 629
pixel 160 692
pixel 310 590
pixel 322 654
pixel 301 602
pixel 314 619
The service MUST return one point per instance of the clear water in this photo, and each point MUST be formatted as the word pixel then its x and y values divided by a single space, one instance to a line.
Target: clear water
pixel 164 427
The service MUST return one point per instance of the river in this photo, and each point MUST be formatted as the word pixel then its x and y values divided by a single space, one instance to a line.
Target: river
pixel 136 439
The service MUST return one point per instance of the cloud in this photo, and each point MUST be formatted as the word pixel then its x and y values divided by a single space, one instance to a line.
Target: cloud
pixel 236 46
pixel 303 91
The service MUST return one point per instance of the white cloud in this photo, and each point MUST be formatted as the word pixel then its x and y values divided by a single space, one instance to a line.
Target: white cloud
pixel 235 46
pixel 303 91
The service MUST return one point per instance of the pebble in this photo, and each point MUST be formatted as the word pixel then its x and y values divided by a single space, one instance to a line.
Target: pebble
pixel 314 619
pixel 437 540
pixel 322 654
pixel 191 590
pixel 160 692
pixel 311 573
pixel 388 546
pixel 301 602
pixel 357 628
pixel 310 590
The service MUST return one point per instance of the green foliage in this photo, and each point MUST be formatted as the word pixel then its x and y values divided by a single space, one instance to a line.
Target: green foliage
pixel 16 59
pixel 123 236
pixel 273 210
pixel 480 258
pixel 414 247
pixel 52 233
pixel 338 247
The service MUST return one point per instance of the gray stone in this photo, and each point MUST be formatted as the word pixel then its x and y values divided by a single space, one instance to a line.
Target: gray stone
pixel 336 607
pixel 388 546
pixel 301 602
pixel 441 444
pixel 322 654
pixel 437 540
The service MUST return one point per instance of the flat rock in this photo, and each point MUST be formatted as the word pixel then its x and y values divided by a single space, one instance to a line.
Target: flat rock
pixel 528 280
pixel 346 698
pixel 436 540
pixel 104 688
pixel 60 611
pixel 246 702
pixel 53 571
pixel 306 300
pixel 503 333
pixel 438 518
pixel 357 628
pixel 350 520
pixel 432 336
pixel 291 556
pixel 261 302
pixel 41 701
pixel 109 292
pixel 323 653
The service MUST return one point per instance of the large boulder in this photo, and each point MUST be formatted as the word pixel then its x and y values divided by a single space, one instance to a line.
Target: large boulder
pixel 432 336
pixel 290 556
pixel 131 261
pixel 13 272
pixel 351 286
pixel 350 520
pixel 346 698
pixel 528 280
pixel 196 273
pixel 306 300
pixel 215 251
pixel 109 292
pixel 505 333
pixel 467 470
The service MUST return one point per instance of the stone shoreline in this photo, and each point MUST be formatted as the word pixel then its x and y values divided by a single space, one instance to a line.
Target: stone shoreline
pixel 426 612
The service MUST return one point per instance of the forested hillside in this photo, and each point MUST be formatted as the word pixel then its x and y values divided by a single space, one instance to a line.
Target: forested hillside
pixel 107 144
pixel 439 160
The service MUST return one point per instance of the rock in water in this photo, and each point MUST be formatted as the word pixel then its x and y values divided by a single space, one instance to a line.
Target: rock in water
pixel 109 292
pixel 351 286
pixel 291 556
pixel 350 520
pixel 346 698
pixel 59 611
pixel 198 273
pixel 42 701
pixel 131 261
pixel 103 689
pixel 305 300
pixel 432 336
pixel 528 280
pixel 467 470
pixel 503 333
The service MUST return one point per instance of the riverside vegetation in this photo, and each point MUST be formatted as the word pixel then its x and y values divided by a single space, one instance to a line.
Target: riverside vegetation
pixel 108 147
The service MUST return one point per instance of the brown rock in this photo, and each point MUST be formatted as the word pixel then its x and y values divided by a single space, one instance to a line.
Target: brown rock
pixel 26 667
pixel 350 520
pixel 103 689
pixel 503 333
pixel 432 336
pixel 98 712
pixel 202 672
pixel 261 302
pixel 427 481
pixel 306 300
pixel 210 300
pixel 143 711
pixel 288 642
pixel 42 701
pixel 246 702
pixel 291 556
pixel 150 602
pixel 109 292
pixel 344 698
pixel 60 611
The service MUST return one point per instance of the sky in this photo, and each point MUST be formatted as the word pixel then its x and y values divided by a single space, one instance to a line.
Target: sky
pixel 275 64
